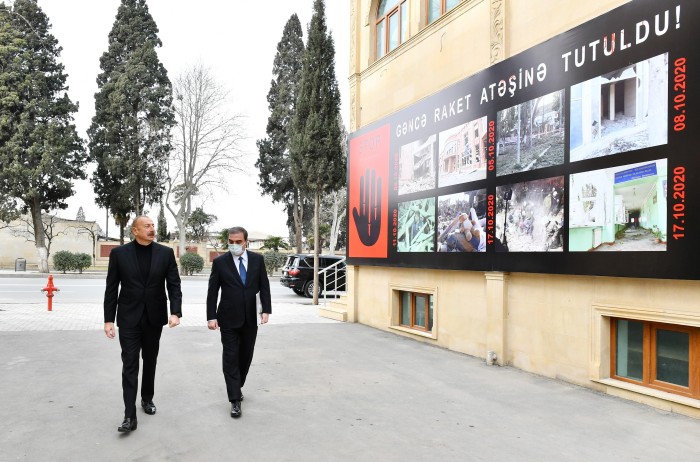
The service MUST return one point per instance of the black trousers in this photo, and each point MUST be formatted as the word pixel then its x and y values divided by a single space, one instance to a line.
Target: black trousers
pixel 238 346
pixel 144 339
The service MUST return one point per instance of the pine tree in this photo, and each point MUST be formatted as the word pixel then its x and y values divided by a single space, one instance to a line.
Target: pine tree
pixel 40 150
pixel 273 162
pixel 163 235
pixel 130 132
pixel 317 161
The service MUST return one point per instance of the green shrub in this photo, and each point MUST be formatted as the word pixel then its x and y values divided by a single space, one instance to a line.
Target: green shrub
pixel 69 261
pixel 191 263
pixel 273 261
pixel 82 261
pixel 64 261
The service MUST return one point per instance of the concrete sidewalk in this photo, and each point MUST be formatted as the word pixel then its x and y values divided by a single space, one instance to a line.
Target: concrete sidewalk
pixel 318 391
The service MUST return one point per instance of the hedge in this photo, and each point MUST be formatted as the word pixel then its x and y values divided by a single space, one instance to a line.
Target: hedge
pixel 69 261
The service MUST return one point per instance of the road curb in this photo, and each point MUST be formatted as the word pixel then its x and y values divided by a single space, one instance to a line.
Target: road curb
pixel 92 275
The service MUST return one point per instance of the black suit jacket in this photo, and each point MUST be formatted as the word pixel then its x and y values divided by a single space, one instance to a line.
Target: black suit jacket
pixel 238 305
pixel 135 296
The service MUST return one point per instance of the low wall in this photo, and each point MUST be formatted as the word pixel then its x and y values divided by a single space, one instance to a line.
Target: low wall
pixel 204 250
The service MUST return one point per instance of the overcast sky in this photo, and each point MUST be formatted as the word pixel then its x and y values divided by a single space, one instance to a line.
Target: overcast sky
pixel 235 42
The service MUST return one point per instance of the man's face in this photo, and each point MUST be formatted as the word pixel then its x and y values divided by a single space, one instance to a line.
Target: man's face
pixel 144 230
pixel 237 238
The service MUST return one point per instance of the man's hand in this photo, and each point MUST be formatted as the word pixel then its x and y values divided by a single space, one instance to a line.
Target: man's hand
pixel 264 317
pixel 368 220
pixel 174 321
pixel 213 325
pixel 109 329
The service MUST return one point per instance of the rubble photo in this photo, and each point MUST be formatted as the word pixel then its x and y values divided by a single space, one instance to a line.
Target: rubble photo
pixel 530 216
pixel 416 226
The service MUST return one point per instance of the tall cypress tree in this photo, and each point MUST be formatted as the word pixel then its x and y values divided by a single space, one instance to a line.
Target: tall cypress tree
pixel 317 161
pixel 273 162
pixel 130 132
pixel 163 235
pixel 40 150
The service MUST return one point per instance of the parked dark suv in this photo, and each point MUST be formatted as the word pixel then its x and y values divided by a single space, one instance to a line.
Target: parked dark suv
pixel 298 273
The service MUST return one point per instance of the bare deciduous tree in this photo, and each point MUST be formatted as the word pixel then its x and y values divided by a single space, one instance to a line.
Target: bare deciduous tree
pixel 207 142
pixel 337 201
pixel 88 228
pixel 24 227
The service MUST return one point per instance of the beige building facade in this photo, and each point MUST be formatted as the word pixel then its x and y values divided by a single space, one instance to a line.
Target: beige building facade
pixel 17 240
pixel 556 325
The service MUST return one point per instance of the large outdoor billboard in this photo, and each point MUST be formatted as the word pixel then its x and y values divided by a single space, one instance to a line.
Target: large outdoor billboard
pixel 577 156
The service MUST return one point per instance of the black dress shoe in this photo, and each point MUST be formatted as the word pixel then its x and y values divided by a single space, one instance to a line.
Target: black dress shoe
pixel 128 425
pixel 236 408
pixel 149 407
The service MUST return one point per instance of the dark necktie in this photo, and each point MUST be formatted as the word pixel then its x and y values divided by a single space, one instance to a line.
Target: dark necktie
pixel 241 270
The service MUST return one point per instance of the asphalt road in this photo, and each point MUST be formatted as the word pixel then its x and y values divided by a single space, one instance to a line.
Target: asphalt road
pixel 91 290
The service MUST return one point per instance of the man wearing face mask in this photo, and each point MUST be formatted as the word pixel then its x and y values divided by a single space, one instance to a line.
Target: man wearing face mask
pixel 241 277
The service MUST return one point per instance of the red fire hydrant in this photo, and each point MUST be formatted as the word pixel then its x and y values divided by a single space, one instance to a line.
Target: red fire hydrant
pixel 50 289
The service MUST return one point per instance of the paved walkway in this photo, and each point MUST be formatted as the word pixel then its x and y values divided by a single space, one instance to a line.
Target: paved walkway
pixel 86 316
pixel 319 390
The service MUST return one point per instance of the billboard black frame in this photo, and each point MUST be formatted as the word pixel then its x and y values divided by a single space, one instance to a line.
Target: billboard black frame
pixel 620 26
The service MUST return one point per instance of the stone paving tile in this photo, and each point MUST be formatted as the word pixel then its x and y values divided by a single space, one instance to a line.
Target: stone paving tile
pixel 89 316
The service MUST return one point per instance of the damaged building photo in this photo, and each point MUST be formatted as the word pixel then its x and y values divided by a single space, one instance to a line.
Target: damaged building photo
pixel 619 208
pixel 463 153
pixel 620 111
pixel 531 135
pixel 417 166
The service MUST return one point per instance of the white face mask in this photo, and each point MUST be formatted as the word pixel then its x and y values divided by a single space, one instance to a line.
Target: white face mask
pixel 236 249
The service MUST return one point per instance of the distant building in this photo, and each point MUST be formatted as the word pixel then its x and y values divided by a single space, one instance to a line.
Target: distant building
pixel 17 239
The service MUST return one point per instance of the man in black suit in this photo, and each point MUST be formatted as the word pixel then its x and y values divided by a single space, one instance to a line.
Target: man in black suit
pixel 143 268
pixel 241 276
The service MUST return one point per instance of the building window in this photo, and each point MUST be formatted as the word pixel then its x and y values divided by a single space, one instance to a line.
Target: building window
pixel 656 355
pixel 466 155
pixel 437 8
pixel 391 26
pixel 416 311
